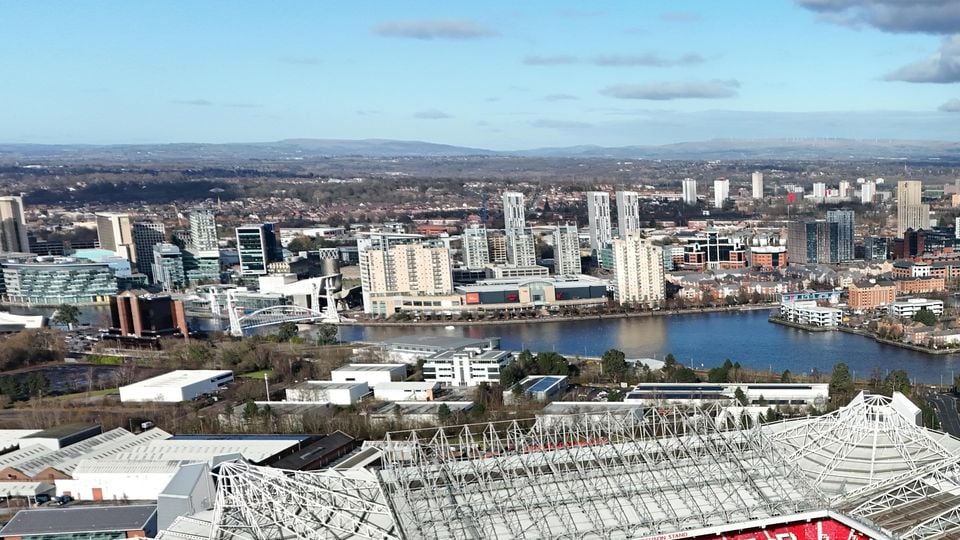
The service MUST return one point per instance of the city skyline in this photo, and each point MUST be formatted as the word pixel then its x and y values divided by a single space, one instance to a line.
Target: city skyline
pixel 491 76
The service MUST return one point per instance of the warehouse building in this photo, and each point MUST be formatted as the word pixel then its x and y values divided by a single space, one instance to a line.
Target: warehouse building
pixel 83 522
pixel 372 374
pixel 813 394
pixel 406 391
pixel 177 386
pixel 336 393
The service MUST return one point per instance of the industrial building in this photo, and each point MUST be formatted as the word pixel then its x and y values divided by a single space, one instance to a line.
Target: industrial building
pixel 541 387
pixel 176 386
pixel 406 391
pixel 698 394
pixel 372 374
pixel 336 393
pixel 82 522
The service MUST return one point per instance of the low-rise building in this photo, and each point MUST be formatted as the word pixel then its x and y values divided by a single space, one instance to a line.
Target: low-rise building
pixel 337 393
pixel 137 314
pixel 53 281
pixel 786 394
pixel 921 285
pixel 871 295
pixel 177 386
pixel 543 387
pixel 372 374
pixel 406 391
pixel 468 367
pixel 414 347
pixel 425 413
pixel 533 293
pixel 911 306
pixel 115 521
pixel 809 313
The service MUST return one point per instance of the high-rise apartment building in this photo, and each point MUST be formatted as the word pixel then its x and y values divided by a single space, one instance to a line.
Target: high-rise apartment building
pixel 521 249
pixel 757 180
pixel 115 232
pixel 566 250
pixel 628 212
pixel 813 242
pixel 638 271
pixel 911 212
pixel 868 192
pixel 497 246
pixel 844 189
pixel 203 230
pixel 147 234
pixel 13 225
pixel 257 246
pixel 819 190
pixel 514 212
pixel 394 266
pixel 689 191
pixel 721 192
pixel 846 226
pixel 167 266
pixel 476 250
pixel 598 216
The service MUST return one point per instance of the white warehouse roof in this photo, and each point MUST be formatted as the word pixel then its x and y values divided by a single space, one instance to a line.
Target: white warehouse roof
pixel 179 378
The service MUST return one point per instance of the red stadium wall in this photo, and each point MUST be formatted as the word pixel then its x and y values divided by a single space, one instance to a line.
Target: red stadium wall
pixel 820 529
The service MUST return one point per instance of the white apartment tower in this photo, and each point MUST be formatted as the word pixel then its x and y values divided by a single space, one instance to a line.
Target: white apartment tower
pixel 844 189
pixel 115 232
pixel 401 265
pixel 566 250
pixel 911 212
pixel 476 250
pixel 868 191
pixel 628 212
pixel 721 192
pixel 514 212
pixel 598 214
pixel 203 230
pixel 757 179
pixel 689 191
pixel 638 271
pixel 13 225
pixel 521 249
pixel 819 190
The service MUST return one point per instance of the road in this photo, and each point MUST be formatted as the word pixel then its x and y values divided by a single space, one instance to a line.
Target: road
pixel 946 406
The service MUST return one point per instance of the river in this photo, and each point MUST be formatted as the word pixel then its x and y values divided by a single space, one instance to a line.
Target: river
pixel 699 340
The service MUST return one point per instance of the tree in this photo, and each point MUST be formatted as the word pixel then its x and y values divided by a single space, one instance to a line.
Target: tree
pixel 37 384
pixel 786 376
pixel 287 331
pixel 66 314
pixel 477 411
pixel 740 397
pixel 897 381
pixel 614 364
pixel 443 413
pixel 926 317
pixel 771 415
pixel 841 383
pixel 669 363
pixel 327 334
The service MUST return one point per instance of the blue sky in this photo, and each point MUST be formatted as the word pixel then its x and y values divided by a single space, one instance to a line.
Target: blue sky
pixel 492 74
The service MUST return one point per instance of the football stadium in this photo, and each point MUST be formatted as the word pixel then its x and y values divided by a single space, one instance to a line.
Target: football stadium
pixel 867 470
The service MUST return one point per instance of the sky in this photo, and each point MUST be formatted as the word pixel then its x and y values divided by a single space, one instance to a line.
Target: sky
pixel 495 74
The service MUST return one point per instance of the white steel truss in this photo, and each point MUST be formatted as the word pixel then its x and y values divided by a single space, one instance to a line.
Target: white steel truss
pixel 859 445
pixel 262 503
pixel 620 477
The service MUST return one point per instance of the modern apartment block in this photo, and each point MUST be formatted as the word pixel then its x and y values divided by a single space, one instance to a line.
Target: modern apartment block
pixel 628 212
pixel 115 232
pixel 514 212
pixel 689 191
pixel 476 250
pixel 911 212
pixel 757 184
pixel 846 226
pixel 721 192
pixel 147 234
pixel 13 226
pixel 638 271
pixel 257 246
pixel 566 250
pixel 203 230
pixel 394 267
pixel 598 215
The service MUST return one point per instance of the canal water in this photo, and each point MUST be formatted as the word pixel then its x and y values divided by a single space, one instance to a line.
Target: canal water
pixel 699 340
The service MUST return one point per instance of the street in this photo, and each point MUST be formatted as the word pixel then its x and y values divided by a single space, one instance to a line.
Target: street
pixel 946 406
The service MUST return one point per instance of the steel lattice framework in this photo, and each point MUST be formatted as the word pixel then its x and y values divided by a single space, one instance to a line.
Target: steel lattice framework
pixel 265 503
pixel 619 477
pixel 868 441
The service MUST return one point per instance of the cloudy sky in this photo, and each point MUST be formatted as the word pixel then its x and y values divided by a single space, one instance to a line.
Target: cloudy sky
pixel 491 74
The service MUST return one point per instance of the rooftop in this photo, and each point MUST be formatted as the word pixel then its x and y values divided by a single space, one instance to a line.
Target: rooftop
pixel 180 377
pixel 79 519
pixel 370 367
pixel 435 342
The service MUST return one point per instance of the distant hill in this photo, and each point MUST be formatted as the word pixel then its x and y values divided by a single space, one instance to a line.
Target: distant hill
pixel 304 149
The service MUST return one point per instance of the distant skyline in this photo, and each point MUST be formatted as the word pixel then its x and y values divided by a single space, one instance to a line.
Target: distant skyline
pixel 499 75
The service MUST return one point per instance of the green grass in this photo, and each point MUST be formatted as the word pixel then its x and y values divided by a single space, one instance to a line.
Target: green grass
pixel 104 392
pixel 258 374
pixel 104 360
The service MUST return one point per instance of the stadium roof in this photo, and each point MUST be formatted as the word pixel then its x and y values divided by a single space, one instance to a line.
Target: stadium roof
pixel 871 439
pixel 670 472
